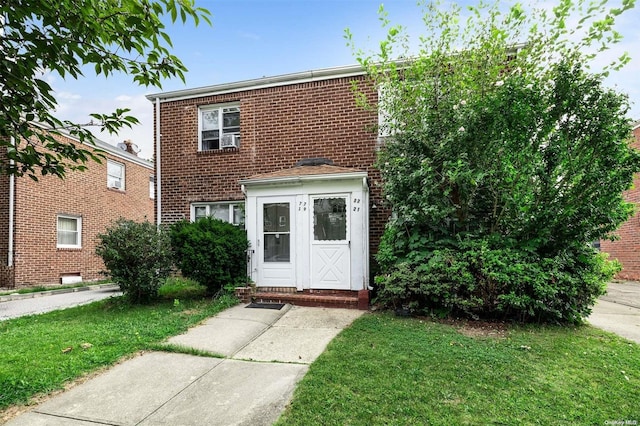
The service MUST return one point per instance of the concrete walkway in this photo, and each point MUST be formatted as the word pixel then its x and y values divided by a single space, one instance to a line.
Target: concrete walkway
pixel 618 311
pixel 266 352
pixel 18 305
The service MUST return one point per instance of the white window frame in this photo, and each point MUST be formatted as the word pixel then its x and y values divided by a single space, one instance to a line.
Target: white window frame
pixel 78 231
pixel 231 209
pixel 152 187
pixel 120 179
pixel 220 109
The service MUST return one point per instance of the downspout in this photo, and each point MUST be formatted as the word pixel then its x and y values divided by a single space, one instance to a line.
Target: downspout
pixel 157 164
pixel 11 211
pixel 365 224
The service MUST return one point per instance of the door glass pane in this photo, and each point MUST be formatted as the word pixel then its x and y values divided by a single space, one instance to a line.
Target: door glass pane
pixel 330 219
pixel 276 217
pixel 276 230
pixel 276 248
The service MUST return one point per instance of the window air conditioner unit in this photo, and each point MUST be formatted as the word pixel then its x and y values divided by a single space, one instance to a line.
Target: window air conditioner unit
pixel 115 184
pixel 229 141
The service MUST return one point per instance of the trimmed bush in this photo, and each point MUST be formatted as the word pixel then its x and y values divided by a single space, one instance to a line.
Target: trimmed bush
pixel 211 251
pixel 137 257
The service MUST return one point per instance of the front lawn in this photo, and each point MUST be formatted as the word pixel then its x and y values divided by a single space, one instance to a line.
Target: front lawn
pixel 40 353
pixel 401 371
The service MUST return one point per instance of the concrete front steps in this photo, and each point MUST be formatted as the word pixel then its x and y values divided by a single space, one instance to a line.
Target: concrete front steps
pixel 313 298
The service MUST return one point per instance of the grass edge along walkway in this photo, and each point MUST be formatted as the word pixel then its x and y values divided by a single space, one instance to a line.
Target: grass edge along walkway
pixel 400 371
pixel 42 353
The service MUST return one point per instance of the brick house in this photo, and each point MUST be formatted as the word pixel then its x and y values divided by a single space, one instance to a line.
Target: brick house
pixel 290 157
pixel 627 248
pixel 49 228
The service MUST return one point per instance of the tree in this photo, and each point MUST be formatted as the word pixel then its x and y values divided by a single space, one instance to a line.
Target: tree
pixel 505 157
pixel 64 37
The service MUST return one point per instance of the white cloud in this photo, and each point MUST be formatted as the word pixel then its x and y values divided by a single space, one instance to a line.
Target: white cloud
pixel 248 35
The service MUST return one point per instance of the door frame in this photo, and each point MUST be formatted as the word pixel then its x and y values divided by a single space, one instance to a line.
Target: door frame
pixel 267 271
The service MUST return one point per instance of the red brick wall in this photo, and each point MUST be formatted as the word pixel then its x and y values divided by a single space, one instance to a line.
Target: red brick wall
pixel 85 194
pixel 627 248
pixel 279 126
pixel 5 272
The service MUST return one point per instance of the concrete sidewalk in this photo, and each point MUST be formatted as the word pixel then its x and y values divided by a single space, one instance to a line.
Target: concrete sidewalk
pixel 618 311
pixel 266 352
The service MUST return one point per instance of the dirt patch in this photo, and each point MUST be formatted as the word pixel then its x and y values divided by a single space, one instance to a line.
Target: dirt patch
pixel 479 329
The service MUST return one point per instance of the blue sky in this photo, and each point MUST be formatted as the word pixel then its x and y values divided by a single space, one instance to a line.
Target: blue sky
pixel 255 38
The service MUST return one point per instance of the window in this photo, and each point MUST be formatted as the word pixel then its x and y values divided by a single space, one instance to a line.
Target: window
pixel 115 175
pixel 69 232
pixel 330 219
pixel 219 127
pixel 229 212
pixel 152 187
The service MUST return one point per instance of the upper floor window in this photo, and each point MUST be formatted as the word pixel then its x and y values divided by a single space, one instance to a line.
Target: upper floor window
pixel 219 127
pixel 229 212
pixel 69 232
pixel 115 175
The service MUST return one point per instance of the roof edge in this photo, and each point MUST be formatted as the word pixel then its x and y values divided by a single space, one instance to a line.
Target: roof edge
pixel 302 178
pixel 104 146
pixel 260 83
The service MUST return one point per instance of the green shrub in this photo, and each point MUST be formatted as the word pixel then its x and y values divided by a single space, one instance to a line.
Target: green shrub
pixel 137 257
pixel 211 251
pixel 181 288
pixel 494 278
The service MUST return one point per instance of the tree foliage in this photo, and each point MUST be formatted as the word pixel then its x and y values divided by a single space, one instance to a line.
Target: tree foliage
pixel 505 156
pixel 67 37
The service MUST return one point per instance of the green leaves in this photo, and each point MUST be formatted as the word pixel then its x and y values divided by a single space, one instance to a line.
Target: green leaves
pixel 137 257
pixel 502 161
pixel 115 36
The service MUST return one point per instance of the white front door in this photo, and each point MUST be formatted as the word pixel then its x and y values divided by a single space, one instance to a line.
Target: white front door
pixel 276 242
pixel 330 242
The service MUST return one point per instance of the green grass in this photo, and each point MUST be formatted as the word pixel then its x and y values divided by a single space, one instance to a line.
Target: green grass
pixel 41 288
pixel 385 370
pixel 181 288
pixel 33 358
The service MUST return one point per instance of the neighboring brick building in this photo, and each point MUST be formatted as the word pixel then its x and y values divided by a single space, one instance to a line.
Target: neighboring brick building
pixel 627 248
pixel 232 150
pixel 49 228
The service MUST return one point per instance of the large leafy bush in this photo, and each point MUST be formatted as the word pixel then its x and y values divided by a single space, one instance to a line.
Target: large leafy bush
pixel 210 251
pixel 502 163
pixel 137 256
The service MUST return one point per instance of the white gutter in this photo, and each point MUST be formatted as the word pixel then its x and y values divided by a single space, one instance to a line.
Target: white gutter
pixel 157 163
pixel 261 83
pixel 12 194
pixel 302 178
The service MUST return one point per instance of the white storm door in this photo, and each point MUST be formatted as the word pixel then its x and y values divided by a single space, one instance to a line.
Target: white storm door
pixel 276 242
pixel 330 242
